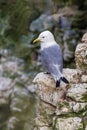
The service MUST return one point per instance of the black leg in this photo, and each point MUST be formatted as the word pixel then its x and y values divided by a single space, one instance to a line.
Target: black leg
pixel 58 83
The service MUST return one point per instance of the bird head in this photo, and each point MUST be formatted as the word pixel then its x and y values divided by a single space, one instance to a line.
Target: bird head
pixel 44 37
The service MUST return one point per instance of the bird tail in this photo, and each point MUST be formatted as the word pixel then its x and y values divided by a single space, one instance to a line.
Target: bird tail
pixel 63 79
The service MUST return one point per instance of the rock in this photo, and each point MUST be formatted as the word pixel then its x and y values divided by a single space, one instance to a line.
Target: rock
pixel 31 88
pixel 78 92
pixel 12 67
pixel 20 107
pixel 4 53
pixel 45 79
pixel 1 70
pixel 84 38
pixel 46 21
pixel 6 89
pixel 64 108
pixel 43 125
pixel 72 75
pixel 25 80
pixel 46 88
pixel 67 37
pixel 70 123
pixel 66 11
pixel 41 122
pixel 43 128
pixel 70 107
pixel 67 53
pixel 84 78
pixel 81 56
pixel 43 22
pixel 43 119
pixel 79 107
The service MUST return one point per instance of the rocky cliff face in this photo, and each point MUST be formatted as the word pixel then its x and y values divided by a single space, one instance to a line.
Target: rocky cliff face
pixel 16 112
pixel 64 108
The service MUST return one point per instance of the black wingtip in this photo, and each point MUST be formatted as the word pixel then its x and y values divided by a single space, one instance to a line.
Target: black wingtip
pixel 64 80
pixel 57 83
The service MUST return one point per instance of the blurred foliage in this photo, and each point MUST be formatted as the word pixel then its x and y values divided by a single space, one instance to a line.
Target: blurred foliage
pixel 80 21
pixel 81 4
pixel 20 14
pixel 15 17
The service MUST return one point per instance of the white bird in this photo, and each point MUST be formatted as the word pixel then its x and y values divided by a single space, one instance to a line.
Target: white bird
pixel 51 56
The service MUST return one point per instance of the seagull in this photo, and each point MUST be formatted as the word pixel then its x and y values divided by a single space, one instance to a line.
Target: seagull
pixel 51 56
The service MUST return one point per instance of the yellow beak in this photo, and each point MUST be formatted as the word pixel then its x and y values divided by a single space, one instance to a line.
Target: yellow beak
pixel 36 40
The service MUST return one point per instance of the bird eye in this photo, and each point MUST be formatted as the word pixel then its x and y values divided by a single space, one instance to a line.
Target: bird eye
pixel 43 37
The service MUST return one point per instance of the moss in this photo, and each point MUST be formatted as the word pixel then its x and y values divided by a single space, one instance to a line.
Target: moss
pixel 80 21
pixel 84 97
pixel 55 122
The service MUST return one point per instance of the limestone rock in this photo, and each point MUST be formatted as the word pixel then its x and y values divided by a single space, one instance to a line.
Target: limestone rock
pixel 48 109
pixel 1 70
pixel 43 124
pixel 6 87
pixel 84 38
pixel 78 92
pixel 45 79
pixel 46 88
pixel 79 107
pixel 68 108
pixel 21 109
pixel 64 108
pixel 42 128
pixel 81 56
pixel 73 75
pixel 12 67
pixel 43 22
pixel 70 123
pixel 84 78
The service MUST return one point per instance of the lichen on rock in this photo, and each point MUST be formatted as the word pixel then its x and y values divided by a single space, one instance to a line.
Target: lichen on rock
pixel 72 123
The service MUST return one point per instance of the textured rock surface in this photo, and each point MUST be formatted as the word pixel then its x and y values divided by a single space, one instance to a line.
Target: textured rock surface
pixel 16 111
pixel 64 108
pixel 84 38
pixel 78 92
pixel 81 55
pixel 45 88
pixel 72 123
pixel 73 75
pixel 6 88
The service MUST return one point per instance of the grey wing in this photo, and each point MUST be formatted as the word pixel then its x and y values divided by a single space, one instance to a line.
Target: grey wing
pixel 52 59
